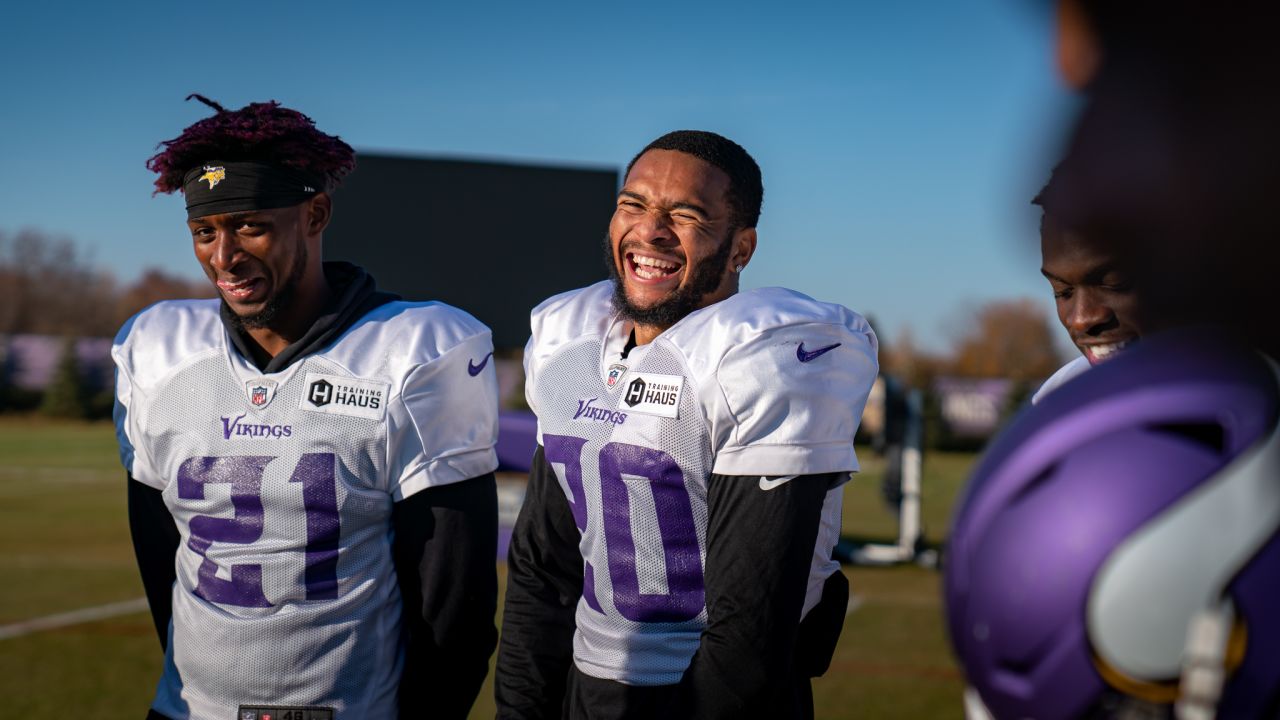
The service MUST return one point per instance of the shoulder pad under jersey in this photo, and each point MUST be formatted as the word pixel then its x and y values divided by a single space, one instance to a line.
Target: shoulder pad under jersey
pixel 782 379
pixel 562 319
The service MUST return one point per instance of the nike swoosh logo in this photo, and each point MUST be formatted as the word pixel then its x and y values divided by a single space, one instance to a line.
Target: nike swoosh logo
pixel 474 369
pixel 803 356
pixel 767 484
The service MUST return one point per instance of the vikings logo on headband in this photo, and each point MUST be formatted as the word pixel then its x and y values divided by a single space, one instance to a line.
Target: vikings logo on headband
pixel 214 175
pixel 243 186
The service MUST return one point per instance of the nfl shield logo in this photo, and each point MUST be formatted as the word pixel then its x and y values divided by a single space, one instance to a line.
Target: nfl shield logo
pixel 616 371
pixel 248 715
pixel 260 393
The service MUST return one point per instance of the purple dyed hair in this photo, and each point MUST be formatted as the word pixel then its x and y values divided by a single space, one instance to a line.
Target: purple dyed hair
pixel 260 132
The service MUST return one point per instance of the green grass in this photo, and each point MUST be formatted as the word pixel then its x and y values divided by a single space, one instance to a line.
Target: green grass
pixel 64 545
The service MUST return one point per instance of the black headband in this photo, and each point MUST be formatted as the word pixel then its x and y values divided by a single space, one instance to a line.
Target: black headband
pixel 219 187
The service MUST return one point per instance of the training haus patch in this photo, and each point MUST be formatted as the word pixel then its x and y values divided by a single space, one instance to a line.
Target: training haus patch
pixel 654 394
pixel 338 395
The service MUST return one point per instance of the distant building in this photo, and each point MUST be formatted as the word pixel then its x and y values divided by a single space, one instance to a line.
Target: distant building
pixel 971 409
pixel 28 362
pixel 492 238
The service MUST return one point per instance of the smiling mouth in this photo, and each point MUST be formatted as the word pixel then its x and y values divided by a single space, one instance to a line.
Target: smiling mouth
pixel 1101 352
pixel 241 289
pixel 650 268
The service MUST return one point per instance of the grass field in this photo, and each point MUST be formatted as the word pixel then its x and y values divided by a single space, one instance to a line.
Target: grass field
pixel 64 545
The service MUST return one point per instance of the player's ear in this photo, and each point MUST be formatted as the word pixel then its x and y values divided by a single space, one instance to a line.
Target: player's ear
pixel 744 246
pixel 1079 50
pixel 319 210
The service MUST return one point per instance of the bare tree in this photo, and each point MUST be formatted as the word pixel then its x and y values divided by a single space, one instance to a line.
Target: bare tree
pixel 49 287
pixel 155 285
pixel 913 365
pixel 46 287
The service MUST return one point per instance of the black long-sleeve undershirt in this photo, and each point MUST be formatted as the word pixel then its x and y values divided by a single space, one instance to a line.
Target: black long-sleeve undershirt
pixel 155 545
pixel 755 656
pixel 544 582
pixel 760 547
pixel 445 543
pixel 445 549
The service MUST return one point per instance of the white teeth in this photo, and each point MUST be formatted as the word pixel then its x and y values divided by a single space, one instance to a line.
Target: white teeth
pixel 649 268
pixel 238 289
pixel 654 262
pixel 1102 352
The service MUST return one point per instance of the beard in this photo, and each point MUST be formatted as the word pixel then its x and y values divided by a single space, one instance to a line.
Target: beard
pixel 703 281
pixel 277 303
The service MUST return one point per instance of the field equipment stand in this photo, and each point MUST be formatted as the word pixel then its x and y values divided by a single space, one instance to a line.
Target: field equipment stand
pixel 903 448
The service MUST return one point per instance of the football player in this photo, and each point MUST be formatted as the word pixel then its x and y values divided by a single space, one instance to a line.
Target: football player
pixel 673 556
pixel 1173 155
pixel 1094 289
pixel 310 460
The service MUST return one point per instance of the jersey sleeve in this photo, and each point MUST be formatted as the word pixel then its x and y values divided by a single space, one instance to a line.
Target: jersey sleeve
pixel 1064 375
pixel 788 401
pixel 129 406
pixel 558 321
pixel 530 368
pixel 450 423
pixel 125 427
pixel 151 346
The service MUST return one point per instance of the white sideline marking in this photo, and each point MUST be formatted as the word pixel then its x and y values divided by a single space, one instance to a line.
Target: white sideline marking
pixel 855 602
pixel 75 617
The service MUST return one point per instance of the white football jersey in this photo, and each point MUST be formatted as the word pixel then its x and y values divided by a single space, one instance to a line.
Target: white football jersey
pixel 1062 376
pixel 281 486
pixel 766 383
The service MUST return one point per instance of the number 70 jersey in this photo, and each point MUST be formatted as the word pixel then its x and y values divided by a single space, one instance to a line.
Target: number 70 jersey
pixel 281 487
pixel 765 383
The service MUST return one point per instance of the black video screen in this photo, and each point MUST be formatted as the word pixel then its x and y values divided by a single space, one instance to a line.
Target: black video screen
pixel 491 238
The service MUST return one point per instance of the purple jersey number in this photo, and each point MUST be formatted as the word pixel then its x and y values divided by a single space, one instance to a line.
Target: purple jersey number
pixel 677 533
pixel 316 473
pixel 320 499
pixel 568 451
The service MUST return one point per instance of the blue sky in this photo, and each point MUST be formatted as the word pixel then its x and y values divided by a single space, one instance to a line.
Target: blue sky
pixel 900 142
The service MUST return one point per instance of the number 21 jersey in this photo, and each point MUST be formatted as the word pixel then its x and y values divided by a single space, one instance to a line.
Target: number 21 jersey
pixel 281 487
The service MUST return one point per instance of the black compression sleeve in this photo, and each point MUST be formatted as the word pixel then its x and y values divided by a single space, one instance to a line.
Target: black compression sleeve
pixel 544 582
pixel 155 545
pixel 445 551
pixel 760 546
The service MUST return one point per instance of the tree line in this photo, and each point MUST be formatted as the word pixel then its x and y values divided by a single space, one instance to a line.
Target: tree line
pixel 1010 339
pixel 48 286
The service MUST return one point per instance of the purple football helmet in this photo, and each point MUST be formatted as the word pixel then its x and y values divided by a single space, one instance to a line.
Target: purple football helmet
pixel 1116 549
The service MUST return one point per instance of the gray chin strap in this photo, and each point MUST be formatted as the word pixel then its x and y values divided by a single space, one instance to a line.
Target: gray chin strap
pixel 1153 614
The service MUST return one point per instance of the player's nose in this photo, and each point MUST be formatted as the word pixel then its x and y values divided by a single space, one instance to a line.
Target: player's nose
pixel 225 253
pixel 654 228
pixel 1088 314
